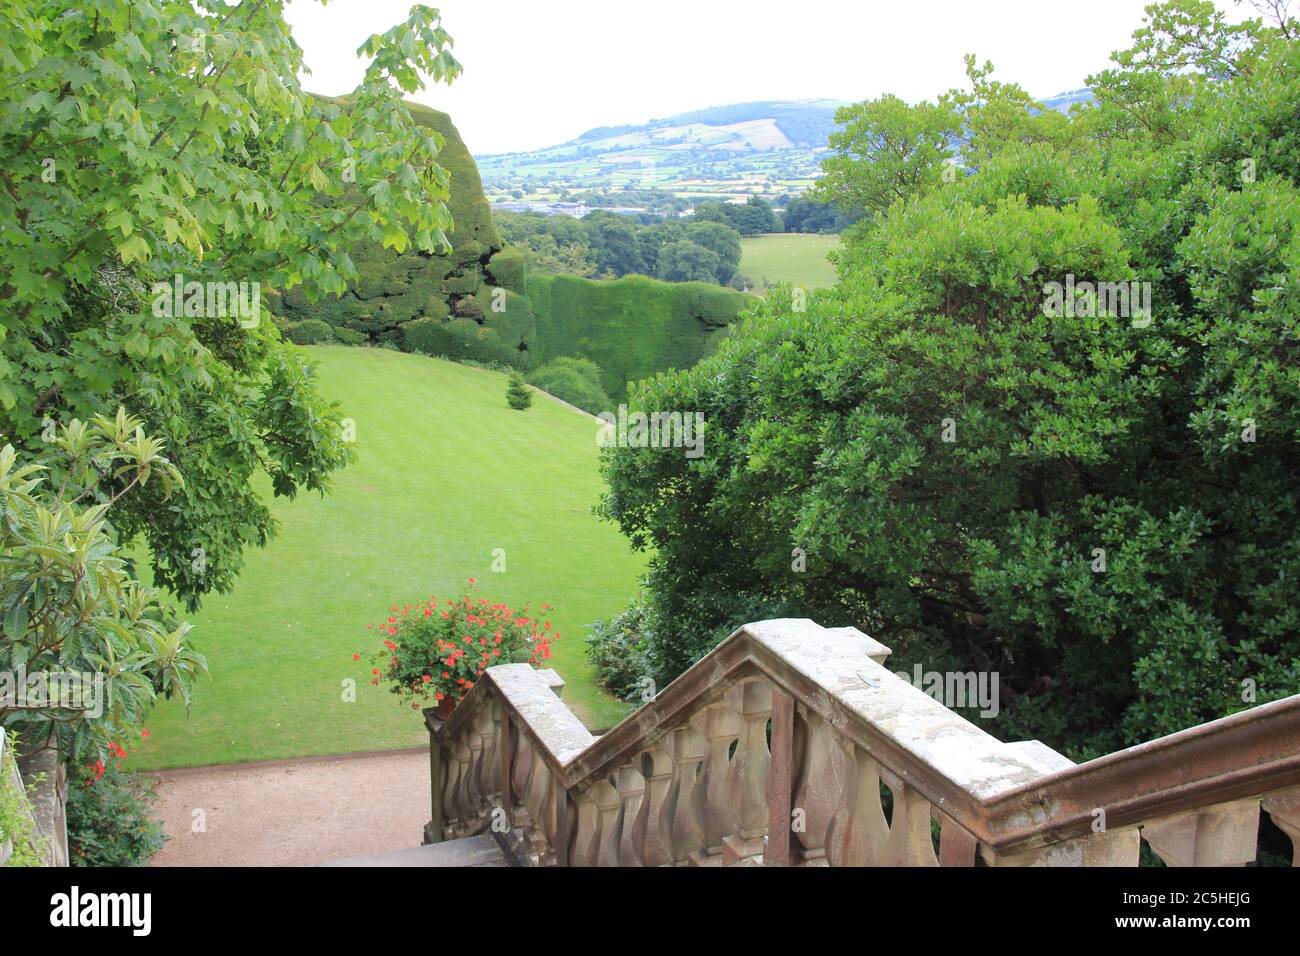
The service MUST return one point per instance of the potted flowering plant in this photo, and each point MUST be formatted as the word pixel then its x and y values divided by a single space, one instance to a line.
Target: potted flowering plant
pixel 434 651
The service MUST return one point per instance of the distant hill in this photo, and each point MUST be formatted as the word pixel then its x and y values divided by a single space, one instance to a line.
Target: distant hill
pixel 1062 102
pixel 765 148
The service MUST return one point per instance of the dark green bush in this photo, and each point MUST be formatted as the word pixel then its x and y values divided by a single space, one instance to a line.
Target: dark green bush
pixel 458 339
pixel 309 332
pixel 111 822
pixel 616 651
pixel 349 336
pixel 436 306
pixel 464 284
pixel 573 380
pixel 428 337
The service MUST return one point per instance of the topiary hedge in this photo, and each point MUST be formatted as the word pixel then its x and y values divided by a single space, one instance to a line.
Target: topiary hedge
pixel 393 289
pixel 459 339
pixel 632 327
pixel 476 304
pixel 506 269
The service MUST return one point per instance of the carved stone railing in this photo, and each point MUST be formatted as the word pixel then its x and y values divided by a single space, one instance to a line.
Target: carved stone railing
pixel 40 782
pixel 792 744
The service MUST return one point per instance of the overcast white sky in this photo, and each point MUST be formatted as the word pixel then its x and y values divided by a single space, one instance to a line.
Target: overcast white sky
pixel 540 73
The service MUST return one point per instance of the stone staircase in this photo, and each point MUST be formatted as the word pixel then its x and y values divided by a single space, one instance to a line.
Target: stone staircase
pixel 791 744
pixel 480 850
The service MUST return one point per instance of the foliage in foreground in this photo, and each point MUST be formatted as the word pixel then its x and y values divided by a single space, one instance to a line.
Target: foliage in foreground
pixel 111 821
pixel 17 825
pixel 1097 504
pixel 69 602
pixel 159 145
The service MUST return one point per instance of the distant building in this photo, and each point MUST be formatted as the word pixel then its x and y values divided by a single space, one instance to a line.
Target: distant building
pixel 575 209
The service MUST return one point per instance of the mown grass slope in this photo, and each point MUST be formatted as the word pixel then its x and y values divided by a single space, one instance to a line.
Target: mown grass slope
pixel 446 474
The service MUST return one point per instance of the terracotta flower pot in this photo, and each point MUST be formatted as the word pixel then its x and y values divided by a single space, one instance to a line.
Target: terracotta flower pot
pixel 445 707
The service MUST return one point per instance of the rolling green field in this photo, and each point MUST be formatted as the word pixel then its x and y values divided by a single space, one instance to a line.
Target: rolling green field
pixel 789 257
pixel 446 473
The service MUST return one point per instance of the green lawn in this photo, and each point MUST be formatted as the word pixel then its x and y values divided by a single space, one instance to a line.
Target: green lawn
pixel 446 473
pixel 789 257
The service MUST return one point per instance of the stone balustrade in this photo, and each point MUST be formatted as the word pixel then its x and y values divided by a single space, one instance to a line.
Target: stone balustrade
pixel 39 783
pixel 792 744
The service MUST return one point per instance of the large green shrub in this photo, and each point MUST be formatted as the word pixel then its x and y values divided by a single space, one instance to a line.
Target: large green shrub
pixel 616 651
pixel 111 820
pixel 348 336
pixel 309 332
pixel 1099 506
pixel 429 337
pixel 574 380
pixel 68 599
pixel 507 313
pixel 461 340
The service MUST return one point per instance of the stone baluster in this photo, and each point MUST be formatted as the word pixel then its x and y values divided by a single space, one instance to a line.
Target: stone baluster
pixel 822 784
pixel 586 841
pixel 609 811
pixel 524 756
pixel 561 836
pixel 473 795
pixel 910 842
pixel 1284 808
pixel 687 749
pixel 654 819
pixel 461 800
pixel 485 775
pixel 747 772
pixel 860 833
pixel 631 794
pixel 1222 835
pixel 720 724
pixel 539 798
pixel 450 771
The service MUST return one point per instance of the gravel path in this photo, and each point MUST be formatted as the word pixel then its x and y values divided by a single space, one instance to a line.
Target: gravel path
pixel 293 812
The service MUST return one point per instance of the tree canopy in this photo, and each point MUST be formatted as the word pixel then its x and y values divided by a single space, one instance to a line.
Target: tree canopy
pixel 1097 502
pixel 148 146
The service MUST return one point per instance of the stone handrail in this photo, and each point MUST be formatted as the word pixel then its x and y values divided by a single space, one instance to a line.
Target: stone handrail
pixel 778 746
pixel 45 803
